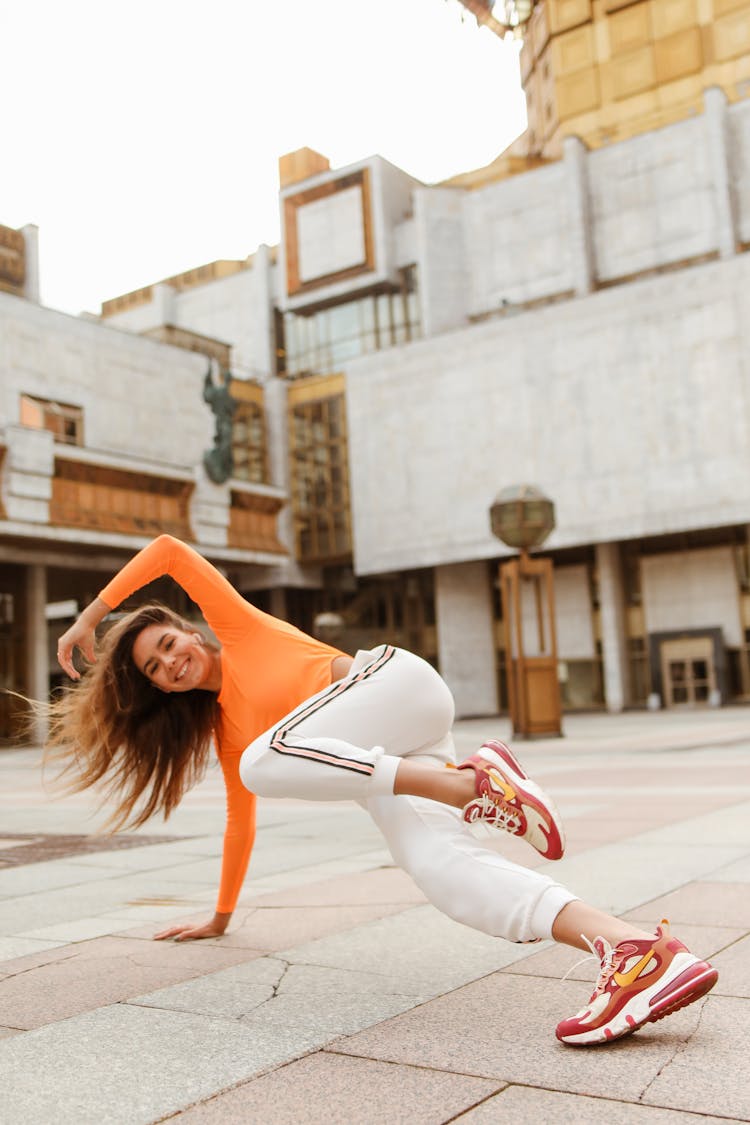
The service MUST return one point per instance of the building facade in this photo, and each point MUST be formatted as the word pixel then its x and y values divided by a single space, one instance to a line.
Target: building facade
pixel 407 352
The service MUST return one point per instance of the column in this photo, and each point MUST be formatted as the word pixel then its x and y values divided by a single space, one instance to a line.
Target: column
pixel 580 234
pixel 37 654
pixel 613 626
pixel 466 645
pixel 31 285
pixel 719 158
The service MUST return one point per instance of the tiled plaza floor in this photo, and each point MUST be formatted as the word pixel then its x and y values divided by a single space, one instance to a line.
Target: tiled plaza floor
pixel 338 995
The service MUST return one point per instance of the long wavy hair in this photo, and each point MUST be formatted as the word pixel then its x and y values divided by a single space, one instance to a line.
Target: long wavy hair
pixel 144 748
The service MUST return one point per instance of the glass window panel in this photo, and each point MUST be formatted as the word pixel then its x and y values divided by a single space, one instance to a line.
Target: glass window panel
pixel 366 311
pixel 677 671
pixel 344 321
pixel 383 305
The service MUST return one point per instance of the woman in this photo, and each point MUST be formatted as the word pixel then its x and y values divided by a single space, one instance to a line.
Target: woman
pixel 292 717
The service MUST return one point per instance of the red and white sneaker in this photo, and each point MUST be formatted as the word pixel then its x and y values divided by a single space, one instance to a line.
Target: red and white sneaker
pixel 507 799
pixel 639 982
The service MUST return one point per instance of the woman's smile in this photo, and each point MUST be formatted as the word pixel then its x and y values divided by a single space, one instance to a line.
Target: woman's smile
pixel 174 660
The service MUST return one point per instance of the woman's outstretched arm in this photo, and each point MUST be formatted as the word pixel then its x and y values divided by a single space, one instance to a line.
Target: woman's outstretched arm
pixel 239 837
pixel 81 634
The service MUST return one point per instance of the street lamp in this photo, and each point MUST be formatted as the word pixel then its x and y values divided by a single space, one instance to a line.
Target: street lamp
pixel 523 517
pixel 504 17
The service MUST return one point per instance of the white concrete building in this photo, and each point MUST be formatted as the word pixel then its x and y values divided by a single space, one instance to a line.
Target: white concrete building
pixel 411 350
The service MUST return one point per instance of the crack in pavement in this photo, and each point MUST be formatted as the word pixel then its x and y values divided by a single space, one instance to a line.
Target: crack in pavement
pixel 679 1049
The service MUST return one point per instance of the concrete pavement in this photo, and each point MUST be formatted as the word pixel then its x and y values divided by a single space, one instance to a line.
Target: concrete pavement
pixel 339 995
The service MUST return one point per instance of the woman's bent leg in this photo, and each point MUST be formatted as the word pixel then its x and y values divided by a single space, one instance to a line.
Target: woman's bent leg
pixel 463 879
pixel 346 742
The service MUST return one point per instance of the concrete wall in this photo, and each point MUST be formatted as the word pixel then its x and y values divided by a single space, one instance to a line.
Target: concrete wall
pixel 443 272
pixel 630 408
pixel 236 310
pixel 143 410
pixel 674 195
pixel 128 386
pixel 738 121
pixel 695 590
pixel 466 646
pixel 517 239
pixel 652 201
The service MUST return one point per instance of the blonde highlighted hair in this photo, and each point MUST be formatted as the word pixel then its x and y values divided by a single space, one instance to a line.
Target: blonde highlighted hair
pixel 142 747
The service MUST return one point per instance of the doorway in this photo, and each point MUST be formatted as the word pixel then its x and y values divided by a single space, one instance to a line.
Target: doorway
pixel 688 672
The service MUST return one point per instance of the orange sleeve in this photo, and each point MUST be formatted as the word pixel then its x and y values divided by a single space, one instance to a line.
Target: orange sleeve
pixel 239 834
pixel 223 607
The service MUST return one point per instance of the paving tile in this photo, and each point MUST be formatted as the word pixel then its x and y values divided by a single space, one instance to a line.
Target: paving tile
pixel 68 904
pixel 725 826
pixel 514 1040
pixel 228 994
pixel 35 877
pixel 418 949
pixel 257 885
pixel 734 969
pixel 710 1072
pixel 383 885
pixel 642 874
pixel 16 965
pixel 104 972
pixel 271 929
pixel 737 872
pixel 80 929
pixel 12 948
pixel 704 903
pixel 154 856
pixel 606 830
pixel 278 928
pixel 147 911
pixel 125 1065
pixel 522 1104
pixel 648 812
pixel 306 1005
pixel 327 1089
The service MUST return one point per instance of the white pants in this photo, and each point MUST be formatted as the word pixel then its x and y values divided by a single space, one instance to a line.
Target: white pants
pixel 346 742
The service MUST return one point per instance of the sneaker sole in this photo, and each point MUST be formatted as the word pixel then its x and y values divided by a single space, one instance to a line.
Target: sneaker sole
pixel 687 986
pixel 510 765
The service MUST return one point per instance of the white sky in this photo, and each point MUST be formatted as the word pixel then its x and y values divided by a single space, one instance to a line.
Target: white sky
pixel 143 137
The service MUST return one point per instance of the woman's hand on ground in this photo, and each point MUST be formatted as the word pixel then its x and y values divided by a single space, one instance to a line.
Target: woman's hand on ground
pixel 190 932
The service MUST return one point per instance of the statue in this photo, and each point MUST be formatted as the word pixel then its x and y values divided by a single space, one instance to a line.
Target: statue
pixel 219 462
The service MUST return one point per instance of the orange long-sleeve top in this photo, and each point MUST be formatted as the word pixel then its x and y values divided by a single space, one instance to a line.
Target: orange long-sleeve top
pixel 268 667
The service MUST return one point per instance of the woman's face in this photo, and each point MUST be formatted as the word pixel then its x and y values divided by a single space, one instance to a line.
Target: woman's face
pixel 172 659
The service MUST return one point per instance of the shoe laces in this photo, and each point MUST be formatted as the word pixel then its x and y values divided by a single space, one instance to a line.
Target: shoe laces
pixel 503 814
pixel 607 962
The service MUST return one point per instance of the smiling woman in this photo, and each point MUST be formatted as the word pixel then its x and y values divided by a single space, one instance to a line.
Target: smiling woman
pixel 176 660
pixel 292 717
pixel 98 731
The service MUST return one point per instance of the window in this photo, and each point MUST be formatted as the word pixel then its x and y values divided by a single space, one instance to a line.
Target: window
pixel 320 479
pixel 249 443
pixel 61 419
pixel 323 341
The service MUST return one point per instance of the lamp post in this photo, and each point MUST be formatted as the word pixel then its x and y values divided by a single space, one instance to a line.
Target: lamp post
pixel 523 517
